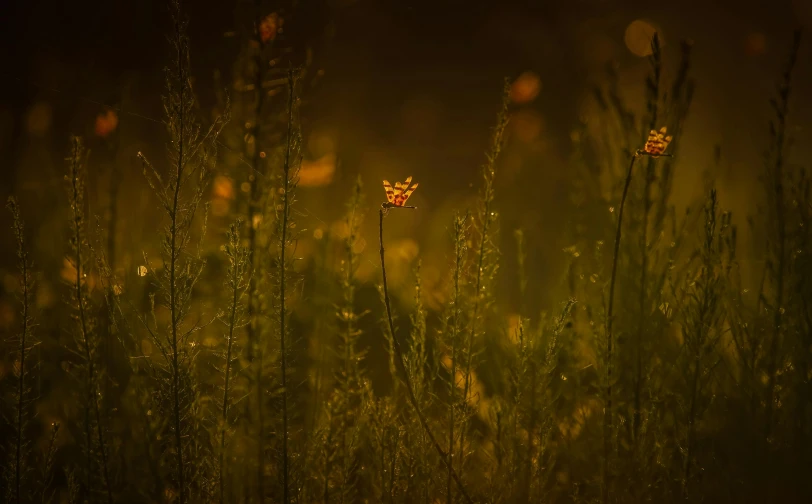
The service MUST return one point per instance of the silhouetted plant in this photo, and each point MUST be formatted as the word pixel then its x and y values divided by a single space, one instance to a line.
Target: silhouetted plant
pixel 401 364
pixel 777 249
pixel 286 235
pixel 191 155
pixel 18 447
pixel 234 319
pixel 702 318
pixel 86 337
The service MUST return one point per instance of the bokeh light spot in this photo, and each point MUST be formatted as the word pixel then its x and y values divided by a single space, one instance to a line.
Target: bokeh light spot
pixel 755 44
pixel 223 187
pixel 638 37
pixel 270 26
pixel 526 88
pixel 106 123
pixel 320 144
pixel 318 172
pixel 527 125
pixel 38 120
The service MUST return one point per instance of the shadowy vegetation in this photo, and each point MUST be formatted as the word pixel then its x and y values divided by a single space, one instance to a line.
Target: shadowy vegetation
pixel 257 364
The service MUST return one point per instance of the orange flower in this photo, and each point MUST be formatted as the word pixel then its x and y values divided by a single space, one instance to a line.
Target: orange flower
pixel 106 123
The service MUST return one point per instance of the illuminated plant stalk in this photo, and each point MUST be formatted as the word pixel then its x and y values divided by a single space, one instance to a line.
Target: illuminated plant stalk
pixel 348 338
pixel 778 129
pixel 399 361
pixel 653 91
pixel 416 357
pixel 655 146
pixel 173 305
pixel 237 284
pixel 607 411
pixel 22 412
pixel 285 227
pixel 350 375
pixel 486 248
pixel 46 475
pixel 112 230
pixel 85 340
pixel 191 152
pixel 700 332
pixel 459 257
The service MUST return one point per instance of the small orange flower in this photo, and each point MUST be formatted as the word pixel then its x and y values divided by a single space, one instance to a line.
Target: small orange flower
pixel 657 142
pixel 401 192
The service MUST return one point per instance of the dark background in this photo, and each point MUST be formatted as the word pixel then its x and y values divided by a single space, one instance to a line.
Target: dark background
pixel 408 88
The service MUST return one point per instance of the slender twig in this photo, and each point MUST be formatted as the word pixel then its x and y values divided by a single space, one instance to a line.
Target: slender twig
pixel 50 454
pixel 283 269
pixel 653 91
pixel 173 259
pixel 779 132
pixel 78 239
pixel 26 281
pixel 402 365
pixel 459 252
pixel 236 284
pixel 486 219
pixel 607 412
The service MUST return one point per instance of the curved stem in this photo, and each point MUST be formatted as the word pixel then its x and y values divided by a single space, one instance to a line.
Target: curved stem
pixel 402 366
pixel 607 411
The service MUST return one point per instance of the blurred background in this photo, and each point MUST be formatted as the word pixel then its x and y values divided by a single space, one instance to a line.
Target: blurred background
pixel 396 89
pixel 405 88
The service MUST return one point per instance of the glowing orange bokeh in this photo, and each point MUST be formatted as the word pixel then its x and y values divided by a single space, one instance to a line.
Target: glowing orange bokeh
pixel 106 123
pixel 270 26
pixel 526 88
pixel 638 37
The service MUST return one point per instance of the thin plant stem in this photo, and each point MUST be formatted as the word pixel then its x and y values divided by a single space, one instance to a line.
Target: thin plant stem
pixel 653 88
pixel 25 301
pixel 781 107
pixel 402 364
pixel 77 200
pixel 234 283
pixel 282 287
pixel 50 454
pixel 607 412
pixel 486 219
pixel 173 257
pixel 459 250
